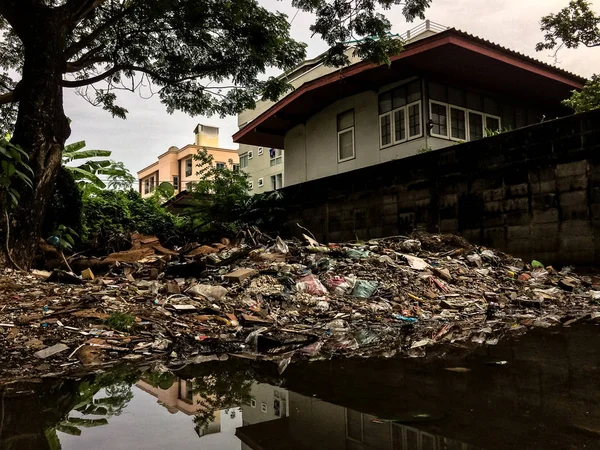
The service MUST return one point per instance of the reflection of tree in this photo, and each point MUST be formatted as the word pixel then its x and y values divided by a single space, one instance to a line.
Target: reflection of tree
pixel 116 386
pixel 227 389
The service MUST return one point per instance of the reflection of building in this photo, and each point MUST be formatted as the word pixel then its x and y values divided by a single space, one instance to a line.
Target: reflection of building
pixel 177 166
pixel 180 397
pixel 266 404
pixel 311 423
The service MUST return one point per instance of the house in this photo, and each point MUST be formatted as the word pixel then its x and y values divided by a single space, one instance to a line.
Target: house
pixel 265 165
pixel 177 166
pixel 445 88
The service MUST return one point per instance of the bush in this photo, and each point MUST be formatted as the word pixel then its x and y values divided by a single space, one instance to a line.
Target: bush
pixel 111 216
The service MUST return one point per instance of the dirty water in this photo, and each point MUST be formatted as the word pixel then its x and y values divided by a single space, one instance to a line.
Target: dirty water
pixel 537 391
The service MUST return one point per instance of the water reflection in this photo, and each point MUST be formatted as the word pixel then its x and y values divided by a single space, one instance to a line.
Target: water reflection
pixel 545 396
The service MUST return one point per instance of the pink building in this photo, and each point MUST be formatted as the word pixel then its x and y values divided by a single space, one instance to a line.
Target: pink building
pixel 178 167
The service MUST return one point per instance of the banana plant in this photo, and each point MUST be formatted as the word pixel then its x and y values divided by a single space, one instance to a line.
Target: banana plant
pixel 87 175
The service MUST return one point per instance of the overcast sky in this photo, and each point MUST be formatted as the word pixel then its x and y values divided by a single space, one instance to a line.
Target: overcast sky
pixel 150 131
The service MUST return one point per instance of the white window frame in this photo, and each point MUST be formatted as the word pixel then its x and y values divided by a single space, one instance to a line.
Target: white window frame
pixel 250 154
pixel 349 129
pixel 472 111
pixel 261 182
pixel 220 162
pixel 466 113
pixel 244 157
pixel 420 108
pixel 392 134
pixel 260 151
pixel 485 116
pixel 445 105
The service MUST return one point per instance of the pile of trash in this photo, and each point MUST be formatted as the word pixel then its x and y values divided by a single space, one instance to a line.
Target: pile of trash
pixel 276 300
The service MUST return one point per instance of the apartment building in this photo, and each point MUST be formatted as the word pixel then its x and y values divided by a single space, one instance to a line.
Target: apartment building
pixel 177 166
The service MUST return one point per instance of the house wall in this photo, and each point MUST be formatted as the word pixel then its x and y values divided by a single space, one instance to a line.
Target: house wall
pixel 260 167
pixel 311 148
pixel 533 192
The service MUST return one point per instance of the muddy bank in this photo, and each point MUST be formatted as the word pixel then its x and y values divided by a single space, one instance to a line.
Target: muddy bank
pixel 281 301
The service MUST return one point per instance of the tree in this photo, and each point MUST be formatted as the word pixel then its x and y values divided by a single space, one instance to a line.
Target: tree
pixel 571 27
pixel 197 56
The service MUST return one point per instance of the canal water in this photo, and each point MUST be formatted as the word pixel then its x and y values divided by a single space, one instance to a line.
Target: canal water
pixel 538 391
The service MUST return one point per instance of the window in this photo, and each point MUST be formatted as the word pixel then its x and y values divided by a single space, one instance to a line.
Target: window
pixel 275 155
pixel 250 154
pixel 189 185
pixel 438 113
pixel 244 161
pixel 458 123
pixel 385 126
pixel 492 124
pixel 414 120
pixel 220 165
pixel 260 151
pixel 276 181
pixel 188 167
pixel 345 133
pixel 151 184
pixel 146 185
pixel 475 125
pixel 176 182
pixel 236 167
pixel 263 407
pixel 250 185
pixel 261 182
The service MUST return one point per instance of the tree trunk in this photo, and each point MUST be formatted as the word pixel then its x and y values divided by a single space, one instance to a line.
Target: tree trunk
pixel 41 130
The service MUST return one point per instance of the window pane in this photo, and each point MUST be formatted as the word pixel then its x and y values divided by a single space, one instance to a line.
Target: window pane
pixel 458 124
pixel 399 95
pixel 346 144
pixel 439 119
pixel 414 91
pixel 386 129
pixel 385 102
pixel 220 165
pixel 400 125
pixel 475 126
pixel 492 124
pixel 414 120
pixel 345 120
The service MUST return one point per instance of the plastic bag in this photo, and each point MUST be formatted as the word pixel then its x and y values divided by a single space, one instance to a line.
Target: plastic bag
pixel 340 285
pixel 311 285
pixel 357 253
pixel 364 288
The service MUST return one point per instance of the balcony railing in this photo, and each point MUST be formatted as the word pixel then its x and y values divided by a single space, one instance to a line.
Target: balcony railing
pixel 428 25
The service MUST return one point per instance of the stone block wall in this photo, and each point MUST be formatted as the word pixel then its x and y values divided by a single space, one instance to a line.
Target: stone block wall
pixel 533 192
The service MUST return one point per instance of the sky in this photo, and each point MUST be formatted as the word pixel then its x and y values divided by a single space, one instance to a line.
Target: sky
pixel 149 130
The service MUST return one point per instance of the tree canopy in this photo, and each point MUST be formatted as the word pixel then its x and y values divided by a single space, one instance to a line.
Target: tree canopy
pixel 573 26
pixel 198 56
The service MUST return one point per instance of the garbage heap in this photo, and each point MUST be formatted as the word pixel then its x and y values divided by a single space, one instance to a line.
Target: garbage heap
pixel 274 300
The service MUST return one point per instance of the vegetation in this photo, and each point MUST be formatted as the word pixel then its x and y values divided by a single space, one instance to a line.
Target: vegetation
pixel 109 217
pixel 120 321
pixel 197 56
pixel 573 26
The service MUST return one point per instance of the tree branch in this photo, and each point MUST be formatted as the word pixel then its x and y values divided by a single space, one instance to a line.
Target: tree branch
pixel 86 60
pixel 8 97
pixel 89 38
pixel 92 80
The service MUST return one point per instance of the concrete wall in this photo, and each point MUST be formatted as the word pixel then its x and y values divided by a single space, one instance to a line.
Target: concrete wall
pixel 533 192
